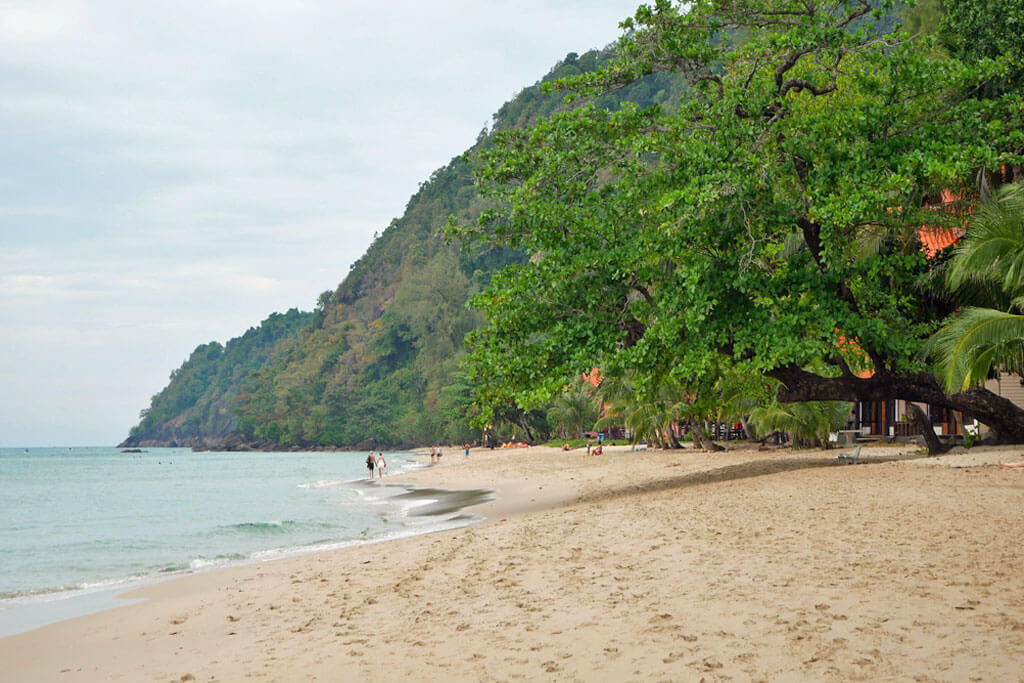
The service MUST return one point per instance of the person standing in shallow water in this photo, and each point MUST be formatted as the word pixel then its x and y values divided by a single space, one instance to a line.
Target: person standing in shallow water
pixel 381 465
pixel 370 461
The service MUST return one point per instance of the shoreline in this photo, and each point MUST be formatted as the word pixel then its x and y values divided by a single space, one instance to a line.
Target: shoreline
pixel 25 612
pixel 627 566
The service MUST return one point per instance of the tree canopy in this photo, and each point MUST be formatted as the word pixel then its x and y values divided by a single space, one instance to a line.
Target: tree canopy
pixel 768 223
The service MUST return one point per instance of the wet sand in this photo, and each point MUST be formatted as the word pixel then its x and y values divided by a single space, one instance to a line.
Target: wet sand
pixel 630 566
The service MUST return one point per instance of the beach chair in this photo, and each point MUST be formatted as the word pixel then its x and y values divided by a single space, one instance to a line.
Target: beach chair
pixel 849 458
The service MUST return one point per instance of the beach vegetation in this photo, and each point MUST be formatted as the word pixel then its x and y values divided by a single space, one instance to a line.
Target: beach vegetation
pixel 807 424
pixel 986 273
pixel 768 221
pixel 574 411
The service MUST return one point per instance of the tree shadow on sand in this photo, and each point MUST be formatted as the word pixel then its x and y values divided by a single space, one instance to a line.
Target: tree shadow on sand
pixel 758 467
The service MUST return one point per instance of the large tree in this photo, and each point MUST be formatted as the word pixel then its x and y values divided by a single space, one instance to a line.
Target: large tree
pixel 767 224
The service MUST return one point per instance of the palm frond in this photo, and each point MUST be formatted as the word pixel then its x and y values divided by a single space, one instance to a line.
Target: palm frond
pixel 994 246
pixel 972 343
pixel 805 422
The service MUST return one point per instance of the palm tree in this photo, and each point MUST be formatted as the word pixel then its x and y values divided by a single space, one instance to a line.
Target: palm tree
pixel 648 419
pixel 574 411
pixel 978 339
pixel 809 424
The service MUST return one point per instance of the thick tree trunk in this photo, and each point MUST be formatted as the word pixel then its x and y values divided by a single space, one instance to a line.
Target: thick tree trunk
pixel 935 447
pixel 1004 417
pixel 526 428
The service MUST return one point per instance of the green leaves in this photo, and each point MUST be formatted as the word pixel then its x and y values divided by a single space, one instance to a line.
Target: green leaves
pixel 976 340
pixel 664 238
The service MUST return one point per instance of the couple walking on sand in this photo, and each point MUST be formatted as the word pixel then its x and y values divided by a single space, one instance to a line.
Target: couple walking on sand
pixel 378 462
pixel 435 453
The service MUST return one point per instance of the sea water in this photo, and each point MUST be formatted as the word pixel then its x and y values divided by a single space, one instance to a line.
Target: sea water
pixel 75 521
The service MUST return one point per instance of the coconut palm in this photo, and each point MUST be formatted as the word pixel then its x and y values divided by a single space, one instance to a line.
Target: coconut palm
pixel 574 411
pixel 981 338
pixel 809 424
pixel 649 419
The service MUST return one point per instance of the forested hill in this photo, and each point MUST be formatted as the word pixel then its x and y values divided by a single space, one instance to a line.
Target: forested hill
pixel 377 362
pixel 198 406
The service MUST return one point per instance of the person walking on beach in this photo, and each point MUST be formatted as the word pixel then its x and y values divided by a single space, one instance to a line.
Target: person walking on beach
pixel 467 450
pixel 433 454
pixel 381 465
pixel 370 462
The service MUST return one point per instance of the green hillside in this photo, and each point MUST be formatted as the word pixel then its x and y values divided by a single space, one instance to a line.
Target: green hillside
pixel 198 406
pixel 378 362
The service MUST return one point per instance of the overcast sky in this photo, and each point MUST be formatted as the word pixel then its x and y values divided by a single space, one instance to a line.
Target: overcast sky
pixel 173 172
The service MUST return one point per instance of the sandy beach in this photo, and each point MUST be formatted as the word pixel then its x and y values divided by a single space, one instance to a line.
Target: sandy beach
pixel 662 565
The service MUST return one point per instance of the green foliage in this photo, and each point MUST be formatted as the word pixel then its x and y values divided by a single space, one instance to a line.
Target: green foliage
pixel 808 424
pixel 648 415
pixel 662 239
pixel 980 29
pixel 542 99
pixel 197 406
pixel 923 16
pixel 574 411
pixel 980 338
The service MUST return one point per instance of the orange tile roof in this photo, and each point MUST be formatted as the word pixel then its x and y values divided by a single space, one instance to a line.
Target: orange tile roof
pixel 935 238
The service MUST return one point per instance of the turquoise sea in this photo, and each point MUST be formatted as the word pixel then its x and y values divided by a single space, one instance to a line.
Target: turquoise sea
pixel 80 522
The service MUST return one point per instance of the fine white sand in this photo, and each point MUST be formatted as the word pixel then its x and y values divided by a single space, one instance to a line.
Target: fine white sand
pixel 744 565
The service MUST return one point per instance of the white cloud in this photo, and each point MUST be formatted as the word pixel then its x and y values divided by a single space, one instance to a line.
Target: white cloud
pixel 34 24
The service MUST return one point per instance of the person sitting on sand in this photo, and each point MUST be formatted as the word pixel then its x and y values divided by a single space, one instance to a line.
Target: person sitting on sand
pixel 599 450
pixel 566 447
pixel 381 465
pixel 370 462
